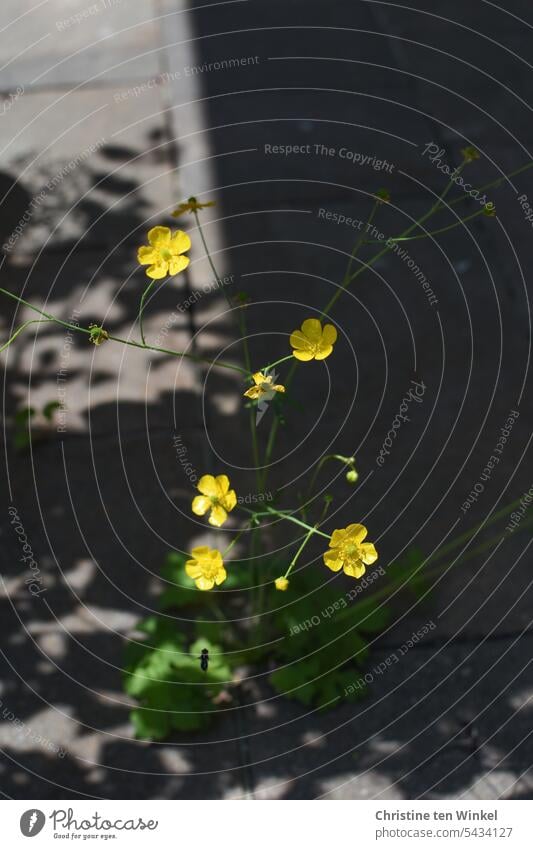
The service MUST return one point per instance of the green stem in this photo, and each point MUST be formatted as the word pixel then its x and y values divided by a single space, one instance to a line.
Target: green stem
pixel 141 308
pixel 21 328
pixel 399 582
pixel 388 247
pixel 361 240
pixel 433 232
pixel 78 329
pixel 294 560
pixel 273 512
pixel 236 539
pixel 276 363
pixel 348 461
pixel 473 531
pixel 241 321
pixel 491 185
pixel 46 314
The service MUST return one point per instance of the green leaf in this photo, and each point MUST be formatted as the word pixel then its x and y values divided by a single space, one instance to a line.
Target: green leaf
pixel 24 415
pixel 50 408
pixel 164 675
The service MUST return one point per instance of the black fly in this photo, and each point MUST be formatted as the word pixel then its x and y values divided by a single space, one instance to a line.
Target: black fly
pixel 204 660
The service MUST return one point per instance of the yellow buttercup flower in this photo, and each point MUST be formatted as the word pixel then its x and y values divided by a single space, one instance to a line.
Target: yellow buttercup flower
pixel 281 584
pixel 216 496
pixel 206 567
pixel 164 255
pixel 313 342
pixel 191 205
pixel 347 551
pixel 262 386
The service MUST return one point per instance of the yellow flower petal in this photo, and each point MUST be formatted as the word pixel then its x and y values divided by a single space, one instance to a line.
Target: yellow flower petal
pixel 201 505
pixel 180 242
pixel 329 335
pixel 218 516
pixel 332 561
pixel 278 387
pixel 312 328
pixel 223 484
pixel 229 500
pixel 193 569
pixel 323 351
pixel 207 485
pixel 254 392
pixel 205 583
pixel 221 576
pixel 304 356
pixel 159 237
pixel 300 342
pixel 157 271
pixel 357 533
pixel 147 255
pixel 337 538
pixel 258 378
pixel 200 551
pixel 354 570
pixel 177 264
pixel 281 584
pixel 369 553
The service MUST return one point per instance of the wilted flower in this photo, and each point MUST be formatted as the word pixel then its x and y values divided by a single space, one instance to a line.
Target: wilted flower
pixel 347 551
pixel 206 567
pixel 191 205
pixel 164 255
pixel 312 341
pixel 216 496
pixel 97 334
pixel 263 386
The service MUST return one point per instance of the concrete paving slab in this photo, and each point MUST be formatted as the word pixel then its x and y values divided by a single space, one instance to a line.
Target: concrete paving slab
pixel 70 42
